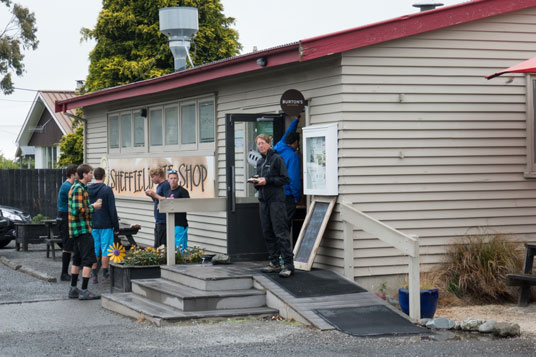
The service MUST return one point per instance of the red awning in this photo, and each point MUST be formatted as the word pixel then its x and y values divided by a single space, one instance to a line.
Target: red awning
pixel 528 66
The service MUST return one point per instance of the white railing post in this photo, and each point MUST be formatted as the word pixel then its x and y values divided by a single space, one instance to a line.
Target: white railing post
pixel 349 250
pixel 414 288
pixel 170 238
pixel 408 245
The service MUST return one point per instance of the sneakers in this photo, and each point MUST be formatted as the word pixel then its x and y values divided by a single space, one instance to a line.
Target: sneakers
pixel 65 277
pixel 74 292
pixel 106 278
pixel 271 268
pixel 285 272
pixel 94 279
pixel 87 295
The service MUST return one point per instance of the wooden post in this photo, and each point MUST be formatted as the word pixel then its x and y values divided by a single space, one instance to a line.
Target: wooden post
pixel 349 250
pixel 170 238
pixel 414 284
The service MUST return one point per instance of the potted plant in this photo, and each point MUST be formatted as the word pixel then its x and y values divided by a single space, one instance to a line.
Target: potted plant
pixel 143 263
pixel 30 233
pixel 429 298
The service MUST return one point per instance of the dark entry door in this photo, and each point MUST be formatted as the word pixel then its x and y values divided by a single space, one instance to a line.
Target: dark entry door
pixel 244 235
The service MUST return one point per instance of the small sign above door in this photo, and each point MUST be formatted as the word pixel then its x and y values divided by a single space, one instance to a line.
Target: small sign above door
pixel 292 102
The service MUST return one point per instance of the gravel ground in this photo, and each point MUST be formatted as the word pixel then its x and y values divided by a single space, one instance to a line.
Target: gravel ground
pixel 37 320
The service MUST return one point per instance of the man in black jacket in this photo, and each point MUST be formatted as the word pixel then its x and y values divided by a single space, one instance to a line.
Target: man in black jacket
pixel 272 177
pixel 105 223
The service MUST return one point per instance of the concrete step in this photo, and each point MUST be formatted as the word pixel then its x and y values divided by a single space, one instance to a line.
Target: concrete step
pixel 209 277
pixel 190 299
pixel 138 307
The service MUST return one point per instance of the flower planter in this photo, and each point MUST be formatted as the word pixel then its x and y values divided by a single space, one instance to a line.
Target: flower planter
pixel 429 299
pixel 28 233
pixel 121 275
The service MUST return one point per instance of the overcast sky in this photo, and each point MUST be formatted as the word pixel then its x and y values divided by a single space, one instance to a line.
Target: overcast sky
pixel 61 59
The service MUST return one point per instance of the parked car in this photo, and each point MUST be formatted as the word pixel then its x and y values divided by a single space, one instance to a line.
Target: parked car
pixel 11 215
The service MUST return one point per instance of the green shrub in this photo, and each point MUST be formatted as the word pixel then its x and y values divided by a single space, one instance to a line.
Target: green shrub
pixel 38 218
pixel 148 256
pixel 476 267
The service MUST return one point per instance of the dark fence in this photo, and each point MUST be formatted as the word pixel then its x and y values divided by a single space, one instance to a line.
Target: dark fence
pixel 33 190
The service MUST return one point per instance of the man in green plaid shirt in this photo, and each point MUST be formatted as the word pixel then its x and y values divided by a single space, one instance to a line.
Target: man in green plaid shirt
pixel 80 211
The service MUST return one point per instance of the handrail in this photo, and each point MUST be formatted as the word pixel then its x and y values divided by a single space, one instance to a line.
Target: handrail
pixel 186 205
pixel 401 241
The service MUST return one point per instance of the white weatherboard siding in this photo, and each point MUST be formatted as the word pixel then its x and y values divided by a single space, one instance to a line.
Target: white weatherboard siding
pixel 429 146
pixel 243 94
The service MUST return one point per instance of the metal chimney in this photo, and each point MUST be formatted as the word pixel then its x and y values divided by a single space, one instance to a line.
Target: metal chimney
pixel 179 24
pixel 425 6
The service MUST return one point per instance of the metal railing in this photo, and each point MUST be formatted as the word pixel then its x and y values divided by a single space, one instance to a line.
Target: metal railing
pixel 409 245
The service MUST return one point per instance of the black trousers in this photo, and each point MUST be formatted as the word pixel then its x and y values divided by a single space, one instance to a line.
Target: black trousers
pixel 274 222
pixel 290 205
pixel 159 234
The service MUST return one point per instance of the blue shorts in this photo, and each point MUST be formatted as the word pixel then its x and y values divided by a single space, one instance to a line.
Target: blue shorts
pixel 104 238
pixel 181 237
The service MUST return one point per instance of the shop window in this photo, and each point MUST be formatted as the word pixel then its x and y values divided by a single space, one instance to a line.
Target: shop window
pixel 126 132
pixel 139 130
pixel 188 126
pixel 113 125
pixel 155 116
pixel 206 122
pixel 172 125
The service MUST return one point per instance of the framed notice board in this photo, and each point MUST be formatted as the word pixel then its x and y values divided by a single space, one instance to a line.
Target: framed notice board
pixel 312 231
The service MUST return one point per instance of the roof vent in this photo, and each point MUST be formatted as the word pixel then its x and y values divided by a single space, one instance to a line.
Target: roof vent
pixel 179 24
pixel 425 6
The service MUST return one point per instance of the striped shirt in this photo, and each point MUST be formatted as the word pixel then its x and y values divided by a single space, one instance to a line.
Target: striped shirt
pixel 79 210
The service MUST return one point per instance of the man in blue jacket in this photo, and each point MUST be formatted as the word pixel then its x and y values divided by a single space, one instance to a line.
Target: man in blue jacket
pixel 105 223
pixel 63 220
pixel 286 148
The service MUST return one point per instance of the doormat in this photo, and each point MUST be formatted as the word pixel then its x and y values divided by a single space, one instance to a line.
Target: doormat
pixel 315 283
pixel 369 321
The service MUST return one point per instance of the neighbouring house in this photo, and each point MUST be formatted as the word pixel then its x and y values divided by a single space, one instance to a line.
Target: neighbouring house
pixel 426 144
pixel 43 128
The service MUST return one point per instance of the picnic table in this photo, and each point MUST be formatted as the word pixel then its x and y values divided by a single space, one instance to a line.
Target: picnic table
pixel 527 279
pixel 125 230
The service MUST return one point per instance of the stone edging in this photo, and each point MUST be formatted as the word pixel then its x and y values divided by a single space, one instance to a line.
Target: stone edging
pixel 27 270
pixel 499 329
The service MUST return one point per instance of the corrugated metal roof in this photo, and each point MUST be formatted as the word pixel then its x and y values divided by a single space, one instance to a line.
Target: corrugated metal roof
pixel 50 97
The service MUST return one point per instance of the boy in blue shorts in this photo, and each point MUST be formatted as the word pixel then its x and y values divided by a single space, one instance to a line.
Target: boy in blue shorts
pixel 181 222
pixel 105 222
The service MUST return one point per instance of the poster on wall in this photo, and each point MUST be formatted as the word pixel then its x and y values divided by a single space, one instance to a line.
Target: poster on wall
pixel 320 160
pixel 130 177
pixel 316 163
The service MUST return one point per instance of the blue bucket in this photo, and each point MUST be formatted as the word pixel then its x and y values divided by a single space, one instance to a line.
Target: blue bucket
pixel 429 299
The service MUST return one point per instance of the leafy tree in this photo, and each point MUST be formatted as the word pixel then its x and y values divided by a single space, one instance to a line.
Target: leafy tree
pixel 130 46
pixel 72 147
pixel 18 32
pixel 5 163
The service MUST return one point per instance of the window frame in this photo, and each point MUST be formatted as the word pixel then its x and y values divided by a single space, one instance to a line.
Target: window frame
pixel 148 147
pixel 530 171
pixel 129 149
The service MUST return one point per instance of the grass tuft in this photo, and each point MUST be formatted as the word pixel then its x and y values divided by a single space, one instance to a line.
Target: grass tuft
pixel 476 267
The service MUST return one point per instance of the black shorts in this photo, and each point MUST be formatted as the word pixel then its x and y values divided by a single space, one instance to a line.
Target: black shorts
pixel 63 227
pixel 159 234
pixel 84 250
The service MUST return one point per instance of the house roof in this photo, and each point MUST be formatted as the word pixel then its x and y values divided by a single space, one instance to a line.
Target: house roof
pixel 45 100
pixel 307 49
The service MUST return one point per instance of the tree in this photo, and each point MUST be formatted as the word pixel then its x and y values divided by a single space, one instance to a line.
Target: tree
pixel 5 163
pixel 130 46
pixel 72 147
pixel 18 32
